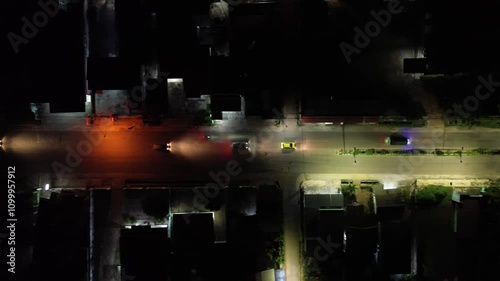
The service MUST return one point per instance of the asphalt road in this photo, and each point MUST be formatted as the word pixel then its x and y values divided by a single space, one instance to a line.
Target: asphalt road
pixel 131 155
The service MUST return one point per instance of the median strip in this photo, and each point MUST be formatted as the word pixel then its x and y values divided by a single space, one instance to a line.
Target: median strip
pixel 421 152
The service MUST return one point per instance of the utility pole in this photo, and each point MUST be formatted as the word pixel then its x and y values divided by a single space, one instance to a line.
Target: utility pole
pixel 354 155
pixel 461 152
pixel 343 134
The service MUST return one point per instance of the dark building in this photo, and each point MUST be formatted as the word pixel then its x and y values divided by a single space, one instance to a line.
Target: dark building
pixel 193 234
pixel 323 222
pixel 145 253
pixel 454 45
pixel 361 235
pixel 395 247
pixel 49 65
pixel 61 243
pixel 477 229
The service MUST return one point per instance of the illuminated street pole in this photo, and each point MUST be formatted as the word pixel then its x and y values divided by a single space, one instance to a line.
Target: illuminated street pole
pixel 343 134
pixel 354 154
pixel 461 152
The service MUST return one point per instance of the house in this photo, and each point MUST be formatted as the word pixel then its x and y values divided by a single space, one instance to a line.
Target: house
pixel 323 222
pixel 361 234
pixel 241 201
pixel 145 253
pixel 395 240
pixel 227 106
pixel 193 234
pixel 61 242
pixel 389 204
pixel 476 228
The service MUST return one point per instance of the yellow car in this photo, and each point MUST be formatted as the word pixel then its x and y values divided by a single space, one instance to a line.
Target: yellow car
pixel 288 145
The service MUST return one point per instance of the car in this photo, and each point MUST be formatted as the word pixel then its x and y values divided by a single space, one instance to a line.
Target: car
pixel 241 146
pixel 397 140
pixel 1 143
pixel 288 145
pixel 163 147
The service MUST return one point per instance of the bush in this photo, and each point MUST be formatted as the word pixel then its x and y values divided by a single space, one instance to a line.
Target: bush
pixel 155 204
pixel 433 195
pixel 201 117
pixel 128 219
pixel 383 151
pixel 275 248
pixel 369 188
pixel 348 190
pixel 409 277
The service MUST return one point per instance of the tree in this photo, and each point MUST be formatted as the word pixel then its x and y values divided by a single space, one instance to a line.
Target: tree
pixel 36 108
pixel 155 204
pixel 433 195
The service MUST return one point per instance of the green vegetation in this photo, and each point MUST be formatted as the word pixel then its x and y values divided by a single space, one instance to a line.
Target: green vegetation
pixel 155 204
pixel 161 221
pixel 276 250
pixel 433 195
pixel 409 277
pixel 485 122
pixel 492 191
pixel 371 206
pixel 366 187
pixel 117 257
pixel 422 152
pixel 36 199
pixel 348 191
pixel 202 117
pixel 128 219
pixel 406 193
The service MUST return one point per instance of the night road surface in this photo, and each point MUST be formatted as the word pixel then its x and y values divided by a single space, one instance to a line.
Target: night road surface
pixel 130 154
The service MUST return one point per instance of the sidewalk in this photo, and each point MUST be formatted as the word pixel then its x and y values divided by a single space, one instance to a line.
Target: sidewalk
pixel 121 123
pixel 78 122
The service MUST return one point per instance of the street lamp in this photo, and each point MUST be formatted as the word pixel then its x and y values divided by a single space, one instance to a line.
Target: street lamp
pixel 343 134
pixel 354 154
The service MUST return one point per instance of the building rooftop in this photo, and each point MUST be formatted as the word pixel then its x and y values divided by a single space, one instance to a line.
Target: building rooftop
pixel 324 201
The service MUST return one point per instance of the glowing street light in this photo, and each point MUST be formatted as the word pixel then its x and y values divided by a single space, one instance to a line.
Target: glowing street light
pixel 343 134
